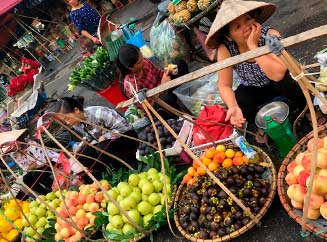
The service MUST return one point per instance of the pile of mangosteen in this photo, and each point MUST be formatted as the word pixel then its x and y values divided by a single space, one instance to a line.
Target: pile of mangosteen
pixel 206 212
pixel 166 139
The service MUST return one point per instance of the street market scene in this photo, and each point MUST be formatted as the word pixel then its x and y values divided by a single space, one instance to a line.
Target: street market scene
pixel 163 120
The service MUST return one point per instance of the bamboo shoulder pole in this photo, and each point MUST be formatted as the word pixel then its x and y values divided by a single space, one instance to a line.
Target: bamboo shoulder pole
pixel 307 35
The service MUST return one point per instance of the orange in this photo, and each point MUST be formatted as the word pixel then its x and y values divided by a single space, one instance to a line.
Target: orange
pixel 238 154
pixel 206 161
pixel 219 157
pixel 209 153
pixel 201 171
pixel 230 153
pixel 191 171
pixel 221 148
pixel 213 166
pixel 227 163
pixel 190 182
pixel 196 164
pixel 245 159
pixel 186 178
pixel 238 160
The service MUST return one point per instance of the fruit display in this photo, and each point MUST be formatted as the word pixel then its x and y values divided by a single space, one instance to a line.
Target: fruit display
pixel 141 197
pixel 205 211
pixel 297 179
pixel 11 211
pixel 82 207
pixel 184 10
pixel 39 215
pixel 166 139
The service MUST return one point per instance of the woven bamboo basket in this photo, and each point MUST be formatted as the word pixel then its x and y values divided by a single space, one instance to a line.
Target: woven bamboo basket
pixel 272 177
pixel 319 227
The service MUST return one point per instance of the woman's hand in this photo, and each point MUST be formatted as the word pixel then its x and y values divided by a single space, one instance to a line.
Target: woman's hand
pixel 235 116
pixel 95 40
pixel 101 138
pixel 254 37
pixel 165 78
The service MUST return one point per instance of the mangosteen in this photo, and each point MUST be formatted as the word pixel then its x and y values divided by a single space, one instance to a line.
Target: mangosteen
pixel 222 203
pixel 238 215
pixel 203 209
pixel 239 181
pixel 237 226
pixel 245 221
pixel 228 221
pixel 262 201
pixel 256 209
pixel 184 225
pixel 184 219
pixel 217 218
pixel 233 190
pixel 194 209
pixel 248 184
pixel 246 192
pixel 250 177
pixel 191 229
pixel 193 216
pixel 214 226
pixel 244 170
pixel 185 210
pixel 221 232
pixel 234 169
pixel 264 191
pixel 250 169
pixel 259 169
pixel 213 211
pixel 212 234
pixel 209 217
pixel 257 184
pixel 212 191
pixel 256 175
pixel 228 231
pixel 230 181
pixel 205 200
pixel 204 234
pixel 222 194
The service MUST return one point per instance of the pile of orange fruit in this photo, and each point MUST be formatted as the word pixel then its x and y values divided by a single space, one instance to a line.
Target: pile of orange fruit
pixel 213 158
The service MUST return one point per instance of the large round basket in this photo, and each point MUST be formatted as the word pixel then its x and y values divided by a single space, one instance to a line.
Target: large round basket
pixel 315 226
pixel 270 174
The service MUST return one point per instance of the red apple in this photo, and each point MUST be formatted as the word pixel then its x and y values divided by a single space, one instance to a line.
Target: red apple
pixel 320 144
pixel 296 205
pixel 323 210
pixel 291 166
pixel 290 179
pixel 296 192
pixel 315 201
pixel 303 177
pixel 306 161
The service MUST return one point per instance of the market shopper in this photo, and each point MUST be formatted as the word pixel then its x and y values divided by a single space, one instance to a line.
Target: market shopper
pixel 139 73
pixel 237 29
pixel 85 18
pixel 72 111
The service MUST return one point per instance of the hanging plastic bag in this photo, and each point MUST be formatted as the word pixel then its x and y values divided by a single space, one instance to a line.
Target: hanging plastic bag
pixel 113 41
pixel 202 91
pixel 165 44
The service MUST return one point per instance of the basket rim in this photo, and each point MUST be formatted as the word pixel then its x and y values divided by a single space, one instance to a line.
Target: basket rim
pixel 248 226
pixel 281 184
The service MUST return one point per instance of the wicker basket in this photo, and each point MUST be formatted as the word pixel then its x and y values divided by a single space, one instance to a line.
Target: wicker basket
pixel 315 226
pixel 272 174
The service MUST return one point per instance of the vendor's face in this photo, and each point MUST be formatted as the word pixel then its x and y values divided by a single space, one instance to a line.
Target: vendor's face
pixel 71 118
pixel 138 65
pixel 73 3
pixel 240 28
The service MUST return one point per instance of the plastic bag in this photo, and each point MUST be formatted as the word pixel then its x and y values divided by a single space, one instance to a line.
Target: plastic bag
pixel 202 91
pixel 165 44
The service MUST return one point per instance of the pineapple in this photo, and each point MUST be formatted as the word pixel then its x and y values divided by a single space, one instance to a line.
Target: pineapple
pixel 192 6
pixel 203 4
pixel 181 6
pixel 171 8
pixel 183 16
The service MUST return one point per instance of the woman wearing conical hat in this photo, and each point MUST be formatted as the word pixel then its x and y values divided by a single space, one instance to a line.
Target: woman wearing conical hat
pixel 237 29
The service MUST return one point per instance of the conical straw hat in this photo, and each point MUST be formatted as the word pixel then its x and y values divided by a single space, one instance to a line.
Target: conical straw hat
pixel 231 10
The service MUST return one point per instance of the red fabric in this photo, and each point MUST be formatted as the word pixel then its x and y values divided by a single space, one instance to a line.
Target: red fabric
pixel 6 5
pixel 33 63
pixel 113 94
pixel 214 113
pixel 151 78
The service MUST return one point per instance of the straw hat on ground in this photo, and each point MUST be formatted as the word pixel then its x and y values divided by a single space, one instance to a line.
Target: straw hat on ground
pixel 231 10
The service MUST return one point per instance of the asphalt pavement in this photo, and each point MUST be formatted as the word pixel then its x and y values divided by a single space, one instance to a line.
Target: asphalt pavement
pixel 292 17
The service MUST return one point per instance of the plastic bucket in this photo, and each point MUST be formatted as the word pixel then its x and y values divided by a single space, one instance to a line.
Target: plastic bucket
pixel 113 94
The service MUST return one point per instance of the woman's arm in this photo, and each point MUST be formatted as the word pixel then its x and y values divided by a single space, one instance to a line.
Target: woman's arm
pixel 94 39
pixel 225 83
pixel 270 64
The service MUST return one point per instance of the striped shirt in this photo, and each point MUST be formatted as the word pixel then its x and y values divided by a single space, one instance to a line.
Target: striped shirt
pixel 104 117
pixel 250 73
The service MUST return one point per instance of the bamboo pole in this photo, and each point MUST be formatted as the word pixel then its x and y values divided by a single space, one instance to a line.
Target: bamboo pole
pixel 304 36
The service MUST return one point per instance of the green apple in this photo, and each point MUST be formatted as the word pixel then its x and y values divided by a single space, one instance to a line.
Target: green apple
pixel 153 177
pixel 30 231
pixel 147 218
pixel 40 230
pixel 25 223
pixel 34 204
pixel 42 222
pixel 119 198
pixel 127 228
pixel 121 185
pixel 157 209
pixel 113 193
pixel 117 221
pixel 136 189
pixel 144 208
pixel 33 210
pixel 143 175
pixel 40 212
pixel 128 203
pixel 137 195
pixel 51 196
pixel 154 198
pixel 125 190
pixel 134 214
pixel 133 180
pixel 142 182
pixel 145 197
pixel 109 227
pixel 153 171
pixel 158 185
pixel 32 218
pixel 112 209
pixel 147 188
